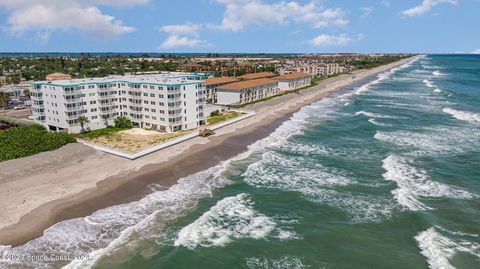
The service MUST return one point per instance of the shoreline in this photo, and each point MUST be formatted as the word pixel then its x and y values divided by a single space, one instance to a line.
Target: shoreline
pixel 164 167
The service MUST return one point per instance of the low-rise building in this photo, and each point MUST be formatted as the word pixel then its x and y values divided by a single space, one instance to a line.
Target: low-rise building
pixel 166 102
pixel 247 91
pixel 257 75
pixel 211 85
pixel 293 81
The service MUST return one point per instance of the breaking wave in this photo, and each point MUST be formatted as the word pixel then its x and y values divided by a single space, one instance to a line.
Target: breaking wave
pixel 231 218
pixel 414 183
pixel 439 249
pixel 463 115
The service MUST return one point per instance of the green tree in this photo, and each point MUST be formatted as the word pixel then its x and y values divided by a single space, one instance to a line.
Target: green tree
pixel 82 120
pixel 4 98
pixel 123 122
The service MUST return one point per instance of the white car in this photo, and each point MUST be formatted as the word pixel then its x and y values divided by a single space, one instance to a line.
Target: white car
pixel 19 107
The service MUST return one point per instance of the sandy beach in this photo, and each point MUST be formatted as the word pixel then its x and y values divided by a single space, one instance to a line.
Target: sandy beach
pixel 74 181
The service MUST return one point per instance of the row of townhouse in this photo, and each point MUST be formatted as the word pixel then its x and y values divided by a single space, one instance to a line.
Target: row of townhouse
pixel 252 87
pixel 168 102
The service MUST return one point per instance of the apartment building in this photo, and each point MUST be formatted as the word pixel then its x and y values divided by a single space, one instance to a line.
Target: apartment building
pixel 167 102
pixel 315 69
pixel 256 76
pixel 247 91
pixel 293 81
pixel 211 85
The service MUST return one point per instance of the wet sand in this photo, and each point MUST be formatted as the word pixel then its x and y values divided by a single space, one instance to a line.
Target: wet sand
pixel 164 168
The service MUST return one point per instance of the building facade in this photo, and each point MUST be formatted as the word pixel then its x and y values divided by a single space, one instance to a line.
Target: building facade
pixel 166 102
pixel 246 91
pixel 211 85
pixel 293 81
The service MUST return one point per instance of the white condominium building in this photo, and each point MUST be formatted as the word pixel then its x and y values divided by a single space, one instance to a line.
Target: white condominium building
pixel 211 85
pixel 293 81
pixel 246 91
pixel 167 101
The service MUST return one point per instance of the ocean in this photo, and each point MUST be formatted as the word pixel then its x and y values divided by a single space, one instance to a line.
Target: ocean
pixel 380 175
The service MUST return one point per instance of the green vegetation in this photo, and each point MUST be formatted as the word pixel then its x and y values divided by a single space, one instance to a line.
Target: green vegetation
pixel 85 66
pixel 375 62
pixel 24 141
pixel 82 120
pixel 4 98
pixel 123 122
pixel 109 131
pixel 14 122
pixel 222 117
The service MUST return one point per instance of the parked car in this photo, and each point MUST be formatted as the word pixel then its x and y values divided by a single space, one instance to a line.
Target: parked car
pixel 19 107
pixel 4 127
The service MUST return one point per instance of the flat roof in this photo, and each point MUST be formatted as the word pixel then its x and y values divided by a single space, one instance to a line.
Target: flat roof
pixel 167 79
pixel 292 76
pixel 219 80
pixel 257 75
pixel 248 84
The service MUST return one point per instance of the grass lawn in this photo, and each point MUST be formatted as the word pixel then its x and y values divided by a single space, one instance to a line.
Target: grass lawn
pixel 222 117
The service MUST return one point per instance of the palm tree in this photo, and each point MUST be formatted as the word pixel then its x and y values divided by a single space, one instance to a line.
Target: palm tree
pixel 82 120
pixel 26 93
pixel 4 98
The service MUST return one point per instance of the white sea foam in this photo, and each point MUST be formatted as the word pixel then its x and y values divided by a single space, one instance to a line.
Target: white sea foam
pixel 414 183
pixel 314 181
pixel 439 249
pixel 374 115
pixel 463 115
pixel 285 262
pixel 291 173
pixel 231 218
pixel 437 73
pixel 437 140
pixel 375 122
pixel 429 83
pixel 308 150
pixel 385 75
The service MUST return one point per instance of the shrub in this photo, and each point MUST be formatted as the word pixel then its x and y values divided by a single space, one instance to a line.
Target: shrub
pixel 123 122
pixel 24 141
pixel 215 113
pixel 14 122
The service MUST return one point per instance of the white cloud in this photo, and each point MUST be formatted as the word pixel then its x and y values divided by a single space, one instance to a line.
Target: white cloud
pixel 325 40
pixel 240 13
pixel 47 16
pixel 182 35
pixel 366 11
pixel 426 6
pixel 477 51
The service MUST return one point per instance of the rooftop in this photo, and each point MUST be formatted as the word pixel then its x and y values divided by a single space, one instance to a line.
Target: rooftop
pixel 164 78
pixel 219 80
pixel 248 84
pixel 257 75
pixel 292 76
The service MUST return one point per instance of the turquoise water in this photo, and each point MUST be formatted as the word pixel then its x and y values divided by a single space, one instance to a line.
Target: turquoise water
pixel 380 176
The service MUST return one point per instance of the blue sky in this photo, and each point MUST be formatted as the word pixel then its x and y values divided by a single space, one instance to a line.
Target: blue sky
pixel 436 26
